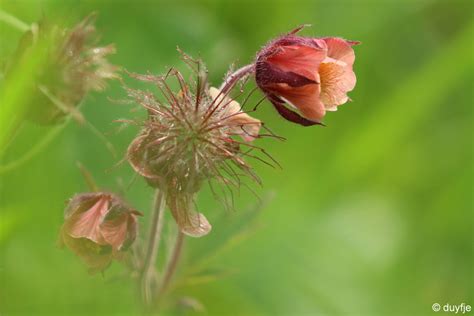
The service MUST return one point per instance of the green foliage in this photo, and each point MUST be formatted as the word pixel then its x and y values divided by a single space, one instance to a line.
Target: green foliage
pixel 371 215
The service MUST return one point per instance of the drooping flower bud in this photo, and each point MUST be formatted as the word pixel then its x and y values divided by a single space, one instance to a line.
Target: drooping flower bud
pixel 187 140
pixel 73 66
pixel 98 227
pixel 311 75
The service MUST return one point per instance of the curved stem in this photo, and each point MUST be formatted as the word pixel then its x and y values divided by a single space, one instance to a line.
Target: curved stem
pixel 172 264
pixel 50 136
pixel 45 141
pixel 13 21
pixel 15 130
pixel 225 88
pixel 78 116
pixel 232 79
pixel 148 278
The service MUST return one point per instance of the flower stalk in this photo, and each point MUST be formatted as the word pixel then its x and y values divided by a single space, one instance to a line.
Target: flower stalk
pixel 148 279
pixel 172 264
pixel 35 149
pixel 233 78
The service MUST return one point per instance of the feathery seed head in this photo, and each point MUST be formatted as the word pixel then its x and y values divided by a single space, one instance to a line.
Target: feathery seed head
pixel 188 139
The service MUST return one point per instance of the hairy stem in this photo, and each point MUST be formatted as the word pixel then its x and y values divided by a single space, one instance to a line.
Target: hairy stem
pixel 172 264
pixel 148 278
pixel 232 79
pixel 226 86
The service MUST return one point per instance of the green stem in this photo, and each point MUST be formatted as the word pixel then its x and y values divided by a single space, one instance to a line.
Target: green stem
pixel 13 134
pixel 13 21
pixel 77 115
pixel 148 277
pixel 33 151
pixel 172 264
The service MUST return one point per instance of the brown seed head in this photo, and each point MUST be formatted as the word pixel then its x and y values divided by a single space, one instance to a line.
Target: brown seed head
pixel 189 139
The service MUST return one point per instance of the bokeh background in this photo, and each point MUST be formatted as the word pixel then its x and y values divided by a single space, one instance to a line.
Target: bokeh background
pixel 371 215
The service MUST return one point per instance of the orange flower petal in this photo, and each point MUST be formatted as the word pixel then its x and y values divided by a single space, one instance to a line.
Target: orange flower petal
pixel 336 81
pixel 340 49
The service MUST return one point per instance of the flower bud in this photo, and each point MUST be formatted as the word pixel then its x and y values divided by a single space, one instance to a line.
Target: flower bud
pixel 311 75
pixel 98 227
pixel 72 66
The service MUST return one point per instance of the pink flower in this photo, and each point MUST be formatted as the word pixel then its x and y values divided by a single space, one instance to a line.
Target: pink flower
pixel 98 227
pixel 311 75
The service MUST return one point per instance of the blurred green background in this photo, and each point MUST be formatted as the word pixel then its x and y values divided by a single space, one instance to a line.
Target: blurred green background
pixel 371 215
